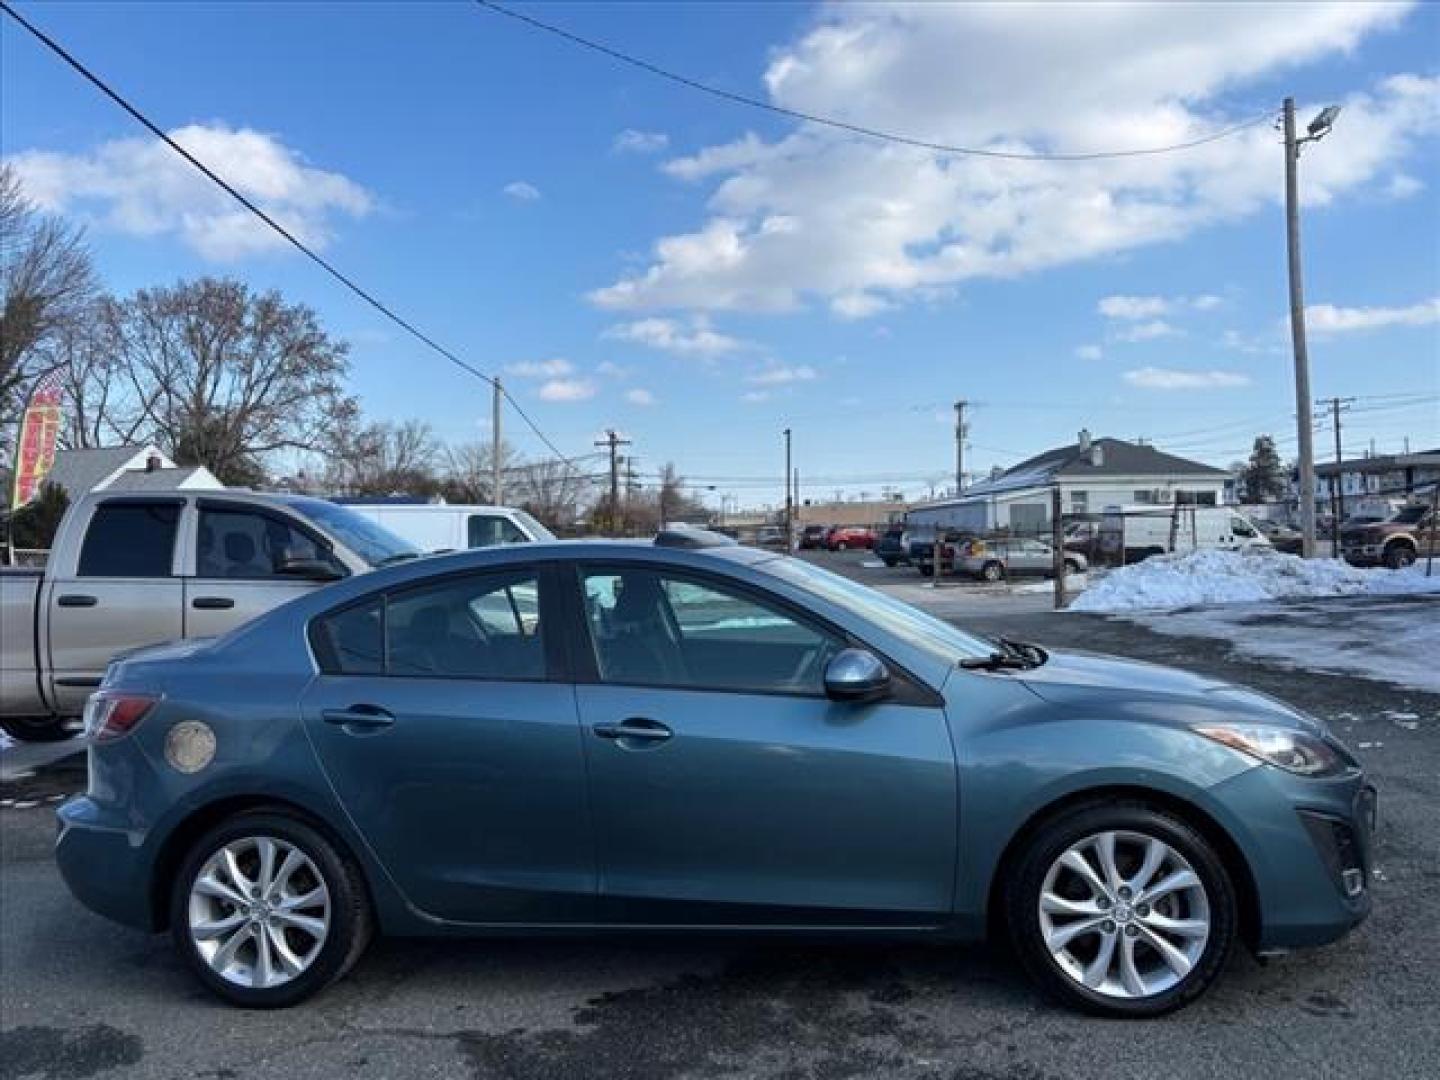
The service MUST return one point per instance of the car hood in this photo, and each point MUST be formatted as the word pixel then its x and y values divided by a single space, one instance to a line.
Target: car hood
pixel 1141 690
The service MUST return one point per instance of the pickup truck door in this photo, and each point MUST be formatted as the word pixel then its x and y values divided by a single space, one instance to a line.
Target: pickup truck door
pixel 122 593
pixel 241 552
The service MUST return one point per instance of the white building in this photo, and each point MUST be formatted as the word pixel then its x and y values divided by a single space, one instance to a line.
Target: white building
pixel 1091 475
pixel 124 468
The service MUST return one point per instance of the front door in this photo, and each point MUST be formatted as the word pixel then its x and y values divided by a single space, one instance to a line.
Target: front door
pixel 455 750
pixel 728 790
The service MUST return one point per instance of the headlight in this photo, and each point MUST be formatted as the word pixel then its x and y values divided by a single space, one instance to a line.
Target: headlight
pixel 1294 751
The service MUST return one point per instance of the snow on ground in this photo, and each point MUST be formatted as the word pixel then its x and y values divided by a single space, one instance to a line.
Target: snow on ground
pixel 1394 639
pixel 1222 577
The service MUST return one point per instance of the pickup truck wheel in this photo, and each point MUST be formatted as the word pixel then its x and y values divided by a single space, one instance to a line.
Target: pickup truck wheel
pixel 1071 567
pixel 268 911
pixel 1399 556
pixel 992 571
pixel 35 728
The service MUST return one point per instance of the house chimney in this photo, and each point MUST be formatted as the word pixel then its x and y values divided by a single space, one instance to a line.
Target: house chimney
pixel 152 462
pixel 1084 441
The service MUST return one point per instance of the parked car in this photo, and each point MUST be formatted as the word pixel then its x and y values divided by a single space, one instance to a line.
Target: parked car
pixel 813 536
pixel 995 560
pixel 891 546
pixel 1082 537
pixel 1137 532
pixel 452 526
pixel 631 737
pixel 772 538
pixel 1282 537
pixel 132 570
pixel 1409 534
pixel 922 551
pixel 849 537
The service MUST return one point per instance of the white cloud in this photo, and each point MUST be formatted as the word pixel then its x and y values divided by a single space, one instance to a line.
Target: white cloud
pixel 1147 331
pixel 780 375
pixel 1133 307
pixel 540 369
pixel 1328 319
pixel 753 397
pixel 1403 185
pixel 1207 302
pixel 567 390
pixel 1089 352
pixel 143 188
pixel 521 191
pixel 631 141
pixel 640 396
pixel 823 216
pixel 612 370
pixel 697 338
pixel 1153 378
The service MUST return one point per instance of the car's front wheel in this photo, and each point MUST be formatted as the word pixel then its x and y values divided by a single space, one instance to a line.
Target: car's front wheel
pixel 1121 910
pixel 268 911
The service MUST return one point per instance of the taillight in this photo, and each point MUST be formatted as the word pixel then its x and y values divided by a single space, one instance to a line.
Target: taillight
pixel 112 713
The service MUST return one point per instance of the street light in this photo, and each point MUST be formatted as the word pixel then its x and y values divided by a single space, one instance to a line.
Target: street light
pixel 1317 130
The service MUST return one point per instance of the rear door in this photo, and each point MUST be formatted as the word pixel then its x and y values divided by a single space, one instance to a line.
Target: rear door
pixel 124 593
pixel 241 551
pixel 728 789
pixel 444 718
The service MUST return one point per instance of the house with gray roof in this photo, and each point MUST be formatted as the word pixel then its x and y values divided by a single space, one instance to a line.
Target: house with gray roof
pixel 1091 474
pixel 129 468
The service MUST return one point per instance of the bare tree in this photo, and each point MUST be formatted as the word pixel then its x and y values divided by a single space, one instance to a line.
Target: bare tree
pixel 469 472
pixel 46 283
pixel 551 490
pixel 100 404
pixel 223 377
pixel 383 459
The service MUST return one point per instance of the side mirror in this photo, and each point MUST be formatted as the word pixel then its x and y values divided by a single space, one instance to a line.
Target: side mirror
pixel 307 569
pixel 856 675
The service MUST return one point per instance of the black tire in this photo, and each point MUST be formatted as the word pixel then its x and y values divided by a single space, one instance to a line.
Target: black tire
pixel 1050 841
pixel 1071 567
pixel 1399 556
pixel 890 563
pixel 36 728
pixel 351 925
pixel 992 571
pixel 840 546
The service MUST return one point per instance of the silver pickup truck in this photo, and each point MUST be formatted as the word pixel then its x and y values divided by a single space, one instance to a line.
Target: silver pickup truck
pixel 128 570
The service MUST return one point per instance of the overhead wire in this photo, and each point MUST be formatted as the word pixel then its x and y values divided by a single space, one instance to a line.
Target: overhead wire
pixel 842 125
pixel 309 252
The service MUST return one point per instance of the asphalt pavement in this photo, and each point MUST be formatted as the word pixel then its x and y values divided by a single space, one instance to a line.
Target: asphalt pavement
pixel 81 998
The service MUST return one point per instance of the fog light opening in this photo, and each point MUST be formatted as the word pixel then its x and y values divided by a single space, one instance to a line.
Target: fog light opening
pixel 1354 882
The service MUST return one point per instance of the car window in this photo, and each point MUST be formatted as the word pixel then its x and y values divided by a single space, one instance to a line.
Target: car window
pixel 655 628
pixel 130 540
pixel 245 545
pixel 352 641
pixel 488 530
pixel 481 626
pixel 1240 527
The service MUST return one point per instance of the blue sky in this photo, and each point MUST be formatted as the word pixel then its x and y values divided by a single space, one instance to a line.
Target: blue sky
pixel 720 274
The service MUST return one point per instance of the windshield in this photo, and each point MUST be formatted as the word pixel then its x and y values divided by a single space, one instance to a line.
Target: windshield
pixel 536 530
pixel 373 543
pixel 1409 515
pixel 943 641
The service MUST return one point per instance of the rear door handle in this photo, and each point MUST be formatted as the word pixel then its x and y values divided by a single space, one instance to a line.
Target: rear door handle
pixel 636 728
pixel 212 603
pixel 77 600
pixel 358 717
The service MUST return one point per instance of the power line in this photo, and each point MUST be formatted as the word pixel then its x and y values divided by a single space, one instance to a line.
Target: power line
pixel 842 125
pixel 154 129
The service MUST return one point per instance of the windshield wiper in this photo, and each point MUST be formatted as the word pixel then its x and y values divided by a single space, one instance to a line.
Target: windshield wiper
pixel 399 556
pixel 1034 654
pixel 995 662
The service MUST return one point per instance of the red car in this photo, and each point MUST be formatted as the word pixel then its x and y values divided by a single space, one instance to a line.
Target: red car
pixel 849 536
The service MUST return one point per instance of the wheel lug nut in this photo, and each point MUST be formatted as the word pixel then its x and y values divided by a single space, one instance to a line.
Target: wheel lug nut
pixel 1131 931
pixel 1104 903
pixel 1124 892
pixel 1142 910
pixel 1108 927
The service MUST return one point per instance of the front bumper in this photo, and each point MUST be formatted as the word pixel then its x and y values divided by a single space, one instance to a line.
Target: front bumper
pixel 1363 554
pixel 104 864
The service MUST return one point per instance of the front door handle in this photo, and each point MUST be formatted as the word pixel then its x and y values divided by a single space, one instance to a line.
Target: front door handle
pixel 358 717
pixel 77 600
pixel 636 729
pixel 212 603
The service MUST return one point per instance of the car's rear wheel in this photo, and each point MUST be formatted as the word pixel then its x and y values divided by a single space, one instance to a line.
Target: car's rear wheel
pixel 890 563
pixel 268 911
pixel 1399 556
pixel 36 728
pixel 992 571
pixel 1121 910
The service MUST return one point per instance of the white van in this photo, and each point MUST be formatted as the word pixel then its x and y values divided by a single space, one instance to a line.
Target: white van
pixel 1145 530
pixel 451 527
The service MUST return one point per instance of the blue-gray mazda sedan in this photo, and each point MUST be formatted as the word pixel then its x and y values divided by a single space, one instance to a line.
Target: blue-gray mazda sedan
pixel 611 736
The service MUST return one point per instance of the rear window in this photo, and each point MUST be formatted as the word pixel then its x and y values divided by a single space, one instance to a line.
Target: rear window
pixel 130 540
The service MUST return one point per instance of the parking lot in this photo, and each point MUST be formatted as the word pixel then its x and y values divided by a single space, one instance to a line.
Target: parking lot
pixel 85 998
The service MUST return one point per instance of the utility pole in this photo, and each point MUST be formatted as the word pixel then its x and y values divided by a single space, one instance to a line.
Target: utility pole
pixel 789 504
pixel 1337 491
pixel 497 482
pixel 613 442
pixel 960 446
pixel 1318 129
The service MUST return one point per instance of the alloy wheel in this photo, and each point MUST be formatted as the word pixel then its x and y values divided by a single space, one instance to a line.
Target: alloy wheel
pixel 1124 915
pixel 259 912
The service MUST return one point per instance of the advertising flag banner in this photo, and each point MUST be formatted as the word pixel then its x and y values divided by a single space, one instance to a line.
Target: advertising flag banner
pixel 35 449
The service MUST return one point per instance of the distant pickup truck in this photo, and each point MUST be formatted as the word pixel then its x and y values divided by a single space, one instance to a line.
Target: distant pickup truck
pixel 128 570
pixel 1396 542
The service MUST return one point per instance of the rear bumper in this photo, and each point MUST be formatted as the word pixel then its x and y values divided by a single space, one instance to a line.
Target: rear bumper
pixel 104 864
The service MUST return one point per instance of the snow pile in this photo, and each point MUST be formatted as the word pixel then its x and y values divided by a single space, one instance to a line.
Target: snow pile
pixel 1227 577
